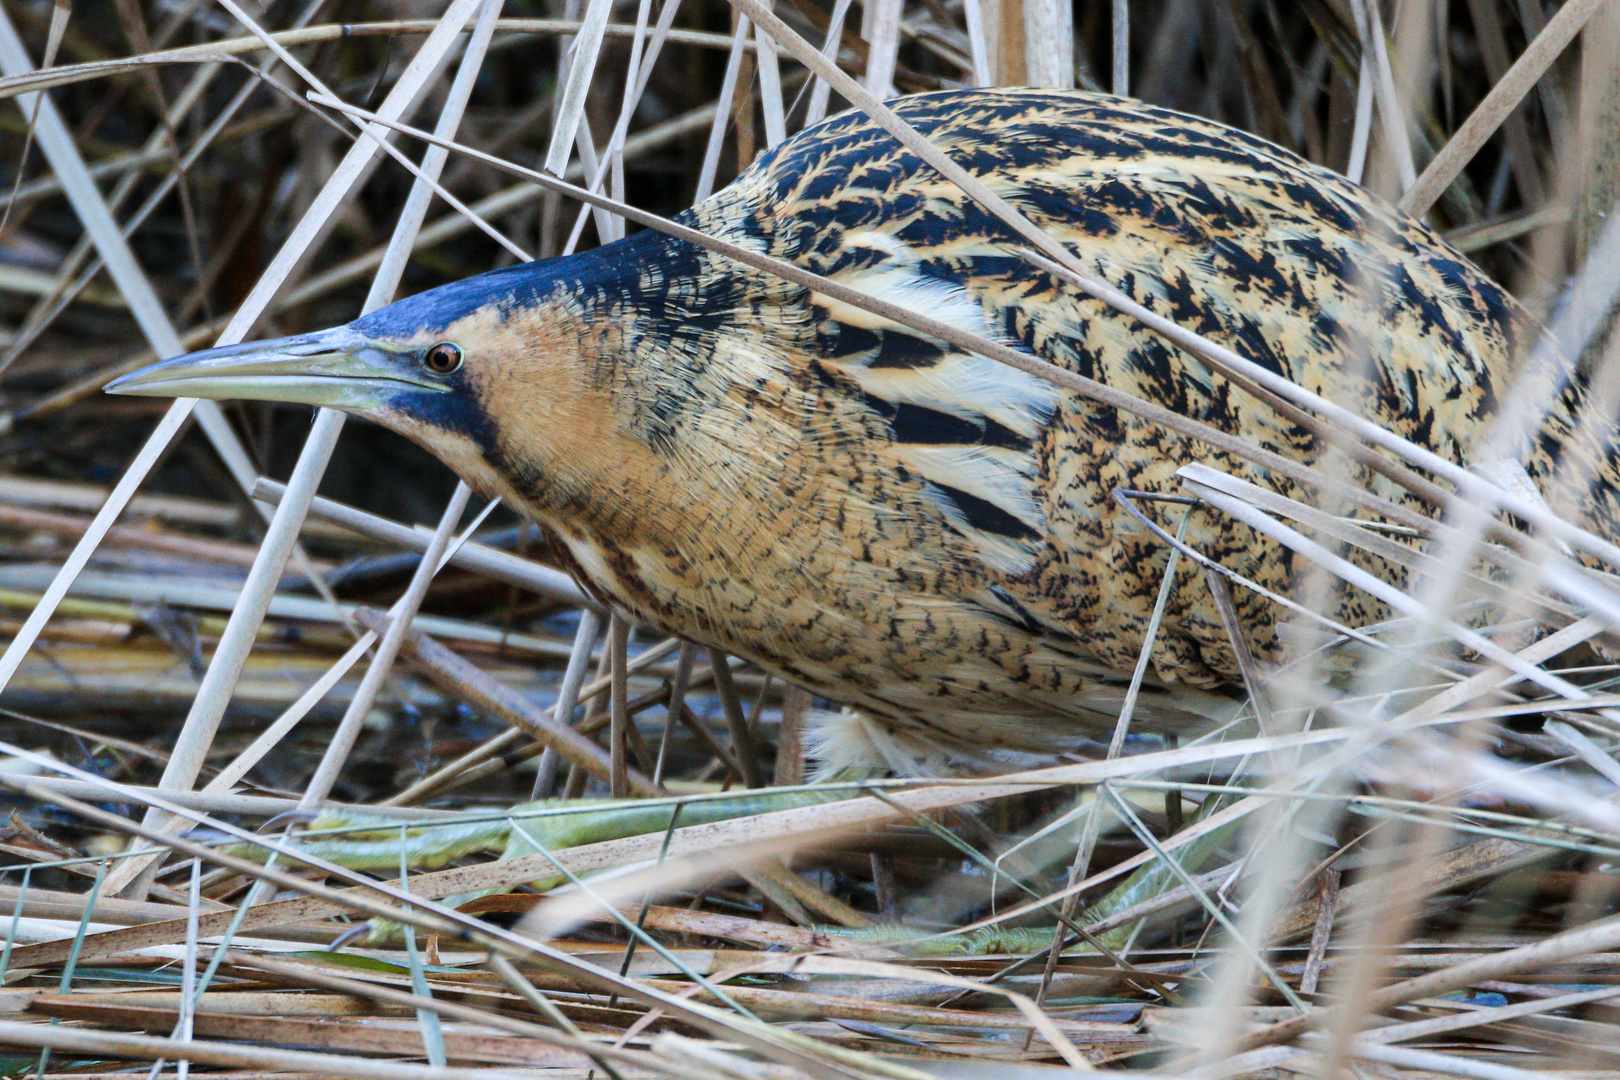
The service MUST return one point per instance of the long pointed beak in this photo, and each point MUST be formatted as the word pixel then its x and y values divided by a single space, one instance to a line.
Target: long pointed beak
pixel 339 369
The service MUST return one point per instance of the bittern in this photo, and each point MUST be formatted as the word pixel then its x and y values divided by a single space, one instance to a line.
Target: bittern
pixel 897 523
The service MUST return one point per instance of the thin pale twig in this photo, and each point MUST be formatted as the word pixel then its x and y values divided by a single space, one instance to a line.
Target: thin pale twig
pixel 1503 98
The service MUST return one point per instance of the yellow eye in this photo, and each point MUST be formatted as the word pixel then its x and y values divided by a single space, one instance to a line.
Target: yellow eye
pixel 443 358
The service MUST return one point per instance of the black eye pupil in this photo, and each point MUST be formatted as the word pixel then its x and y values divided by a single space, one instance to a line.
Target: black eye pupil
pixel 443 358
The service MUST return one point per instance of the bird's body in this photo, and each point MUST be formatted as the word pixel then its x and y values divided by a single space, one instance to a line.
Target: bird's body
pixel 914 530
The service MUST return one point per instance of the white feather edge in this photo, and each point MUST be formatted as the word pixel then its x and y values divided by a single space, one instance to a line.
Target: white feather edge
pixel 969 386
pixel 1004 478
pixel 962 384
pixel 1002 553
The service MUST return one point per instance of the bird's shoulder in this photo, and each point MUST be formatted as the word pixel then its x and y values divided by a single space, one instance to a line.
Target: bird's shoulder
pixel 1223 232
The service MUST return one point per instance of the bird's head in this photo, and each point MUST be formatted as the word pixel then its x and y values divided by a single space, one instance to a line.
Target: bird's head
pixel 492 374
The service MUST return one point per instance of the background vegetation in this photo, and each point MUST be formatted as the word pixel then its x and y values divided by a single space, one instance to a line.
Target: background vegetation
pixel 1432 895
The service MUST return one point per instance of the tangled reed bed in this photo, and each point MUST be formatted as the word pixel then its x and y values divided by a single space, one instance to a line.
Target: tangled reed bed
pixel 1407 875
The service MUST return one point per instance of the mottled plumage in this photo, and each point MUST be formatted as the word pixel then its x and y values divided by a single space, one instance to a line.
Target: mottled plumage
pixel 919 532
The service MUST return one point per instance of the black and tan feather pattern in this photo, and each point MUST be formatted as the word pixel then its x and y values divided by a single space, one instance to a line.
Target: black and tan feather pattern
pixel 921 532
